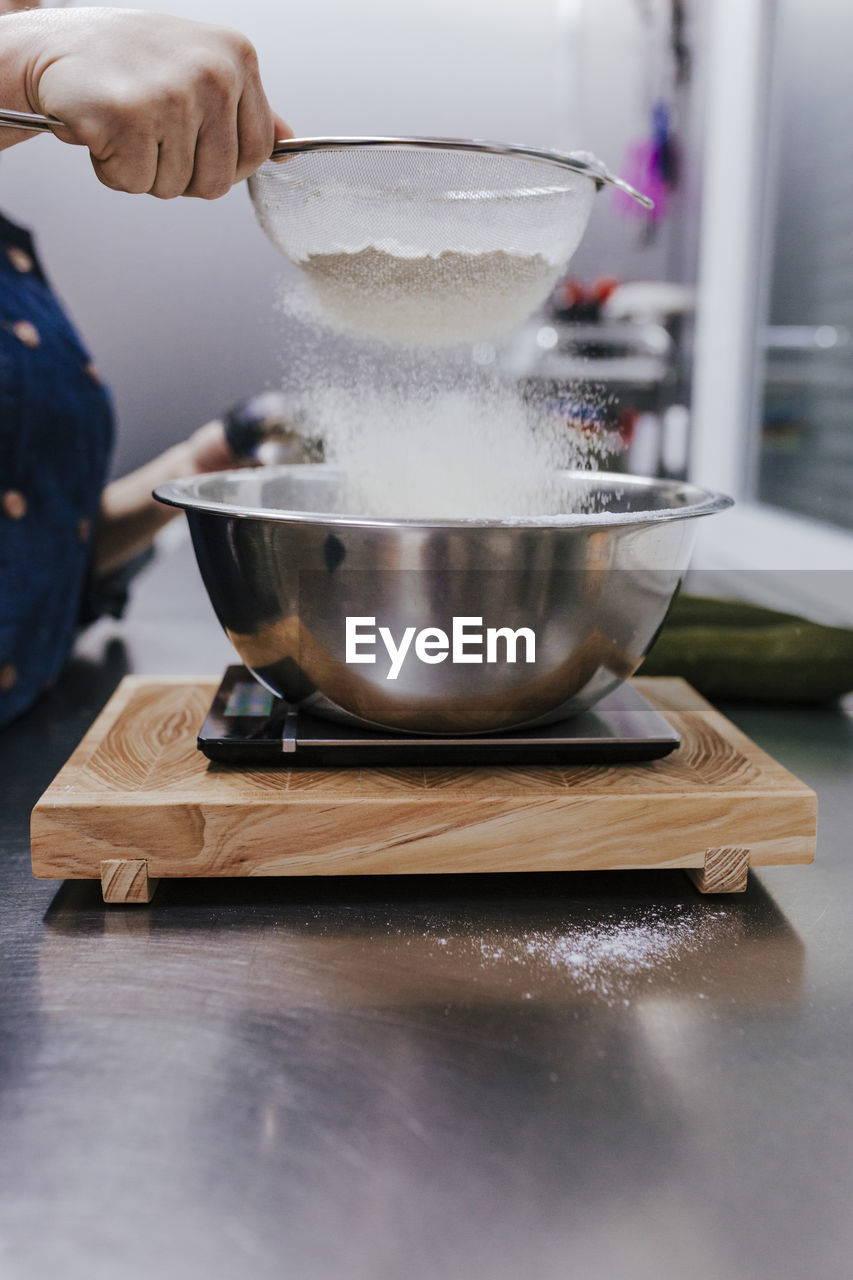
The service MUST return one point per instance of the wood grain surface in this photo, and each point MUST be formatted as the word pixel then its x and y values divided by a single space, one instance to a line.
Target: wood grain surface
pixel 127 880
pixel 138 789
pixel 725 871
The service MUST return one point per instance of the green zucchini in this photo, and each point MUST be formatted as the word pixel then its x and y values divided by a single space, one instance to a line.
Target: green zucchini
pixel 743 652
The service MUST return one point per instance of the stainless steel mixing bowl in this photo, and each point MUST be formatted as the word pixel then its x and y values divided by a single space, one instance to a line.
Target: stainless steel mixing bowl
pixel 286 564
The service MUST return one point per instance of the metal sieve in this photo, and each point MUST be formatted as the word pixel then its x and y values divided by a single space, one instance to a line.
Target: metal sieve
pixel 422 239
pixel 426 196
pixel 440 239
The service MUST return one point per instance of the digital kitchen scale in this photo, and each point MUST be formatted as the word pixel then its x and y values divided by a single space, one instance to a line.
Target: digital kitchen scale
pixel 247 725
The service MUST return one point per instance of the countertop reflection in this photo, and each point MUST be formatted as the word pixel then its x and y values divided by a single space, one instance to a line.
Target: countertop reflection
pixel 495 1076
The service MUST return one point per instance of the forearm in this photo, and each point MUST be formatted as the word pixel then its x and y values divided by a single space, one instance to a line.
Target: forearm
pixel 129 517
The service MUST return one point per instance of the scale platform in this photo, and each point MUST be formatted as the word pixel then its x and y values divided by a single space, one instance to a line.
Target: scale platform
pixel 247 725
pixel 138 801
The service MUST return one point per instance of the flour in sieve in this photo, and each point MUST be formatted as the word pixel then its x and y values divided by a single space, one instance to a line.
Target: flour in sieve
pixel 439 300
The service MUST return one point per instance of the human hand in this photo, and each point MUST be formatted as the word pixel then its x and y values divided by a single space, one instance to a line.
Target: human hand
pixel 266 429
pixel 164 105
pixel 207 449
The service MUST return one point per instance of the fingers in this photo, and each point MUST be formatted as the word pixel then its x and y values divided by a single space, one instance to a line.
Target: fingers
pixel 282 129
pixel 159 161
pixel 220 86
pixel 200 152
pixel 176 150
pixel 234 142
pixel 175 165
pixel 165 106
pixel 256 129
pixel 237 134
pixel 129 164
pixel 208 450
pixel 256 123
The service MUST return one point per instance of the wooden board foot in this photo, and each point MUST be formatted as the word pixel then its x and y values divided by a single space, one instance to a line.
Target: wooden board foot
pixel 127 880
pixel 725 871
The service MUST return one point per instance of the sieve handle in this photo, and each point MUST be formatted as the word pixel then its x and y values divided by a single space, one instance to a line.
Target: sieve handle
pixel 591 168
pixel 26 120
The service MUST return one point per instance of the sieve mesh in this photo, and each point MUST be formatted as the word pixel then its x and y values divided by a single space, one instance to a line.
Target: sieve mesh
pixel 416 202
pixel 424 244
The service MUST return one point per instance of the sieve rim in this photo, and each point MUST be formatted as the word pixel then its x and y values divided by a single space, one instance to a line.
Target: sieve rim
pixel 586 164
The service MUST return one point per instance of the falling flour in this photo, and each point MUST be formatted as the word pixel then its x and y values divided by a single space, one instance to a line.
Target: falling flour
pixel 423 433
pixel 464 452
pixel 435 300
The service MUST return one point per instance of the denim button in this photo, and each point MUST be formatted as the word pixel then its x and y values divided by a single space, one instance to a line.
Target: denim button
pixel 20 259
pixel 14 504
pixel 27 333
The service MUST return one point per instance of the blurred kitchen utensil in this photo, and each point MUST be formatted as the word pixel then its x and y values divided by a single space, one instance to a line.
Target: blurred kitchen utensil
pixel 271 428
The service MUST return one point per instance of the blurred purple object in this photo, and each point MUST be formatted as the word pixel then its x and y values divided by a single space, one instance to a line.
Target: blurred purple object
pixel 641 169
pixel 652 166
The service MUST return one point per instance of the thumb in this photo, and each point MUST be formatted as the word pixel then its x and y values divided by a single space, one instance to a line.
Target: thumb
pixel 283 130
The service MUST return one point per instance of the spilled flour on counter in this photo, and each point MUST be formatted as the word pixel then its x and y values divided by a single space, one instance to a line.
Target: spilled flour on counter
pixel 604 958
pixel 434 300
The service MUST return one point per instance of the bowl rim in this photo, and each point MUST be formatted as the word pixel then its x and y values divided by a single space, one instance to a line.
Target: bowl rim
pixel 185 494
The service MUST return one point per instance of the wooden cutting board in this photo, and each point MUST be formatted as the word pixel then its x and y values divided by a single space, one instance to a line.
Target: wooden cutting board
pixel 137 801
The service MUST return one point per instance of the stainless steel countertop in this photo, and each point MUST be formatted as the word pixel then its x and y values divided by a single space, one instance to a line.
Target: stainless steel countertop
pixel 502 1077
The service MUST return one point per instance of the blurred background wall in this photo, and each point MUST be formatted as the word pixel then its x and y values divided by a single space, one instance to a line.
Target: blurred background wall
pixel 177 300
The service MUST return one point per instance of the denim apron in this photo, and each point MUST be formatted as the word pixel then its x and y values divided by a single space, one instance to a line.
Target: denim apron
pixel 56 433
